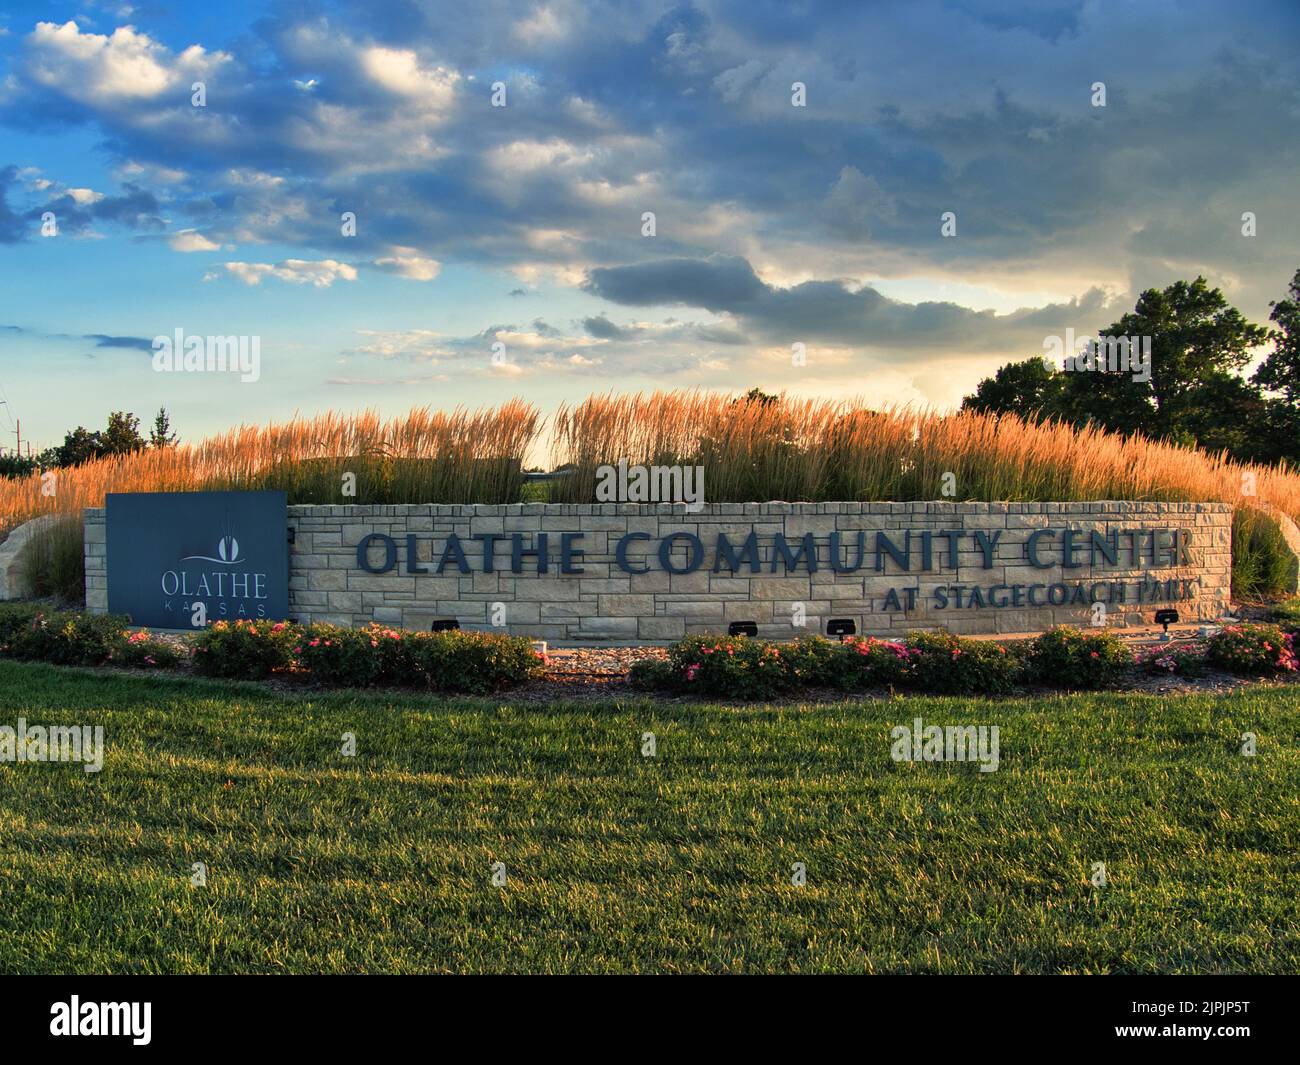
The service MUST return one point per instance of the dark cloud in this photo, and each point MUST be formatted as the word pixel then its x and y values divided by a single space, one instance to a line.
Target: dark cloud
pixel 103 340
pixel 12 227
pixel 602 328
pixel 135 209
pixel 718 283
pixel 829 311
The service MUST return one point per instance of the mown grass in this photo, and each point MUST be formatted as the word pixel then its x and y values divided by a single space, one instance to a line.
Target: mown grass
pixel 616 862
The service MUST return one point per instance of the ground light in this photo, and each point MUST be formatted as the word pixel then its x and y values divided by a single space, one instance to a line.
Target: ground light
pixel 1166 618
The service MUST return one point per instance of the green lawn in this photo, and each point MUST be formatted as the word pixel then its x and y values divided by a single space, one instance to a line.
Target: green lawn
pixel 616 862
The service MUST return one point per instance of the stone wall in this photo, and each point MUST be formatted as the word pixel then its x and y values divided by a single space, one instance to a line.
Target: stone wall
pixel 605 602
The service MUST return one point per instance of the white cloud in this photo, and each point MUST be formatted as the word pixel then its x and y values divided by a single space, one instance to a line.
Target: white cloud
pixel 399 70
pixel 544 24
pixel 94 68
pixel 191 240
pixel 320 274
pixel 155 173
pixel 412 344
pixel 84 197
pixel 405 262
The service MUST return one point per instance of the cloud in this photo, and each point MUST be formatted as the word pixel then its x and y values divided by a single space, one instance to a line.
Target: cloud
pixel 409 265
pixel 189 240
pixel 320 274
pixel 94 68
pixel 103 340
pixel 399 70
pixel 13 229
pixel 832 311
pixel 77 211
pixel 719 282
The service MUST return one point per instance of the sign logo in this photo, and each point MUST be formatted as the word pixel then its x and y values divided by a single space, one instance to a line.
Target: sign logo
pixel 227 553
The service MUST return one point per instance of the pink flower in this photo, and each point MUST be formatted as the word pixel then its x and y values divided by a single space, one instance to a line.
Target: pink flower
pixel 691 670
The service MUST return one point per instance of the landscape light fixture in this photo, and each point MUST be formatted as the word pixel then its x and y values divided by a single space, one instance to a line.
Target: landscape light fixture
pixel 841 627
pixel 445 625
pixel 742 628
pixel 1165 617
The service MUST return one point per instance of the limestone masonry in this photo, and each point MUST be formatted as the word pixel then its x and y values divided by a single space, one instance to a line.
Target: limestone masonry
pixel 617 571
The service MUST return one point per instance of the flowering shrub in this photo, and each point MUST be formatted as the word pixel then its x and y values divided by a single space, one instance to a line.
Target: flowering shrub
pixel 869 662
pixel 349 657
pixel 473 662
pixel 1186 659
pixel 376 655
pixel 735 665
pixel 1065 657
pixel 1252 649
pixel 59 636
pixel 142 650
pixel 247 650
pixel 944 664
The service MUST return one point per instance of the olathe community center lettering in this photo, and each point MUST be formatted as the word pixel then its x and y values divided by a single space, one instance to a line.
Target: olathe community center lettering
pixel 841 552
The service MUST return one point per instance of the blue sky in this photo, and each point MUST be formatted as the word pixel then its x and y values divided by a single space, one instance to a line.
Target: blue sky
pixel 522 224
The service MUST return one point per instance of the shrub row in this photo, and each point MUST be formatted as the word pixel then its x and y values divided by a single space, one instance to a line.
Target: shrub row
pixel 454 661
pixel 934 662
pixel 940 663
pixel 253 650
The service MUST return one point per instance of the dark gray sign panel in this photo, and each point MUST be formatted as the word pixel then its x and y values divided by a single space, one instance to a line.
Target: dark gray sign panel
pixel 168 551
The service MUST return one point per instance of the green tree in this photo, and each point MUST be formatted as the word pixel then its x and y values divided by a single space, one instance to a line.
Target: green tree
pixel 1194 394
pixel 1280 372
pixel 79 445
pixel 1197 340
pixel 161 434
pixel 122 435
pixel 1031 389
